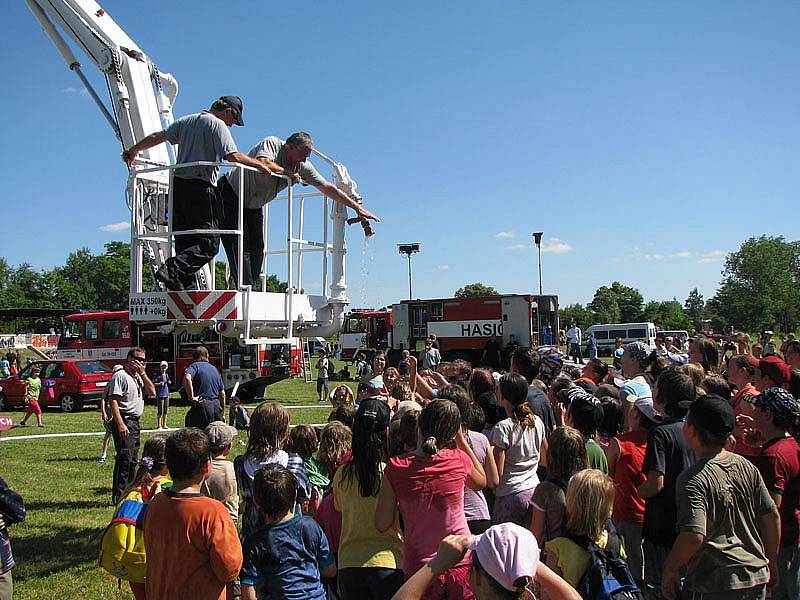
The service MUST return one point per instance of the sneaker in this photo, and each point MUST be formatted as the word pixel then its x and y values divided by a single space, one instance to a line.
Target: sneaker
pixel 21 424
pixel 42 425
pixel 101 460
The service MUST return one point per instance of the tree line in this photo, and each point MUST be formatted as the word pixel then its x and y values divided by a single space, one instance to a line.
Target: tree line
pixel 759 290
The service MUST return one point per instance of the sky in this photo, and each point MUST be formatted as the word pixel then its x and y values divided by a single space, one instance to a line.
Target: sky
pixel 646 140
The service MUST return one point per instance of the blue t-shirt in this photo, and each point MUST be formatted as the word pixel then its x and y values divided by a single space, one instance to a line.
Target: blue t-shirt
pixel 635 388
pixel 162 391
pixel 206 380
pixel 283 560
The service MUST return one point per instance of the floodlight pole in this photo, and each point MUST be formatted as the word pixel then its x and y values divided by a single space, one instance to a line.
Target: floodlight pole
pixel 537 239
pixel 408 250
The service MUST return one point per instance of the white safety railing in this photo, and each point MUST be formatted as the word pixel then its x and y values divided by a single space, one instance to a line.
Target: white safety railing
pixel 153 231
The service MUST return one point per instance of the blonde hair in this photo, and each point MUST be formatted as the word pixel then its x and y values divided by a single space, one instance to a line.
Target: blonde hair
pixel 695 371
pixel 402 392
pixel 334 442
pixel 590 500
pixel 349 397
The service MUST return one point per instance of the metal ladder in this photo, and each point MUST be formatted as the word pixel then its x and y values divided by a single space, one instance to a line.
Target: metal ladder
pixel 308 373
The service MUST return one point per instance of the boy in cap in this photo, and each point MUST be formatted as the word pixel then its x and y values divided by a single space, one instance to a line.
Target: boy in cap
pixel 777 418
pixel 221 481
pixel 772 371
pixel 728 524
pixel 666 456
pixel 585 414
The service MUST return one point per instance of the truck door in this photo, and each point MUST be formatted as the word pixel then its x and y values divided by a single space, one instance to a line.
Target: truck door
pixel 516 311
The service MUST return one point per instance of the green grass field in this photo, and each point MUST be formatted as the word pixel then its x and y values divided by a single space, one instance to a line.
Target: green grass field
pixel 67 494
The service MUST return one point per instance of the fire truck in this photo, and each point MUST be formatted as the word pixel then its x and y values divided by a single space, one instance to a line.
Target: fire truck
pixel 462 326
pixel 107 336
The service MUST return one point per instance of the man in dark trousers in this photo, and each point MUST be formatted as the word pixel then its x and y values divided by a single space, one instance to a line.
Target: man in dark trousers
pixel 126 404
pixel 205 391
pixel 203 136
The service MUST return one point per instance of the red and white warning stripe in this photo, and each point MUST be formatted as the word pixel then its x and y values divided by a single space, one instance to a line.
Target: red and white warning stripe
pixel 202 305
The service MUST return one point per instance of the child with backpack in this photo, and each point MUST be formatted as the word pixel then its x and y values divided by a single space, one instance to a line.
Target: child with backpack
pixel 516 442
pixel 122 550
pixel 566 455
pixel 589 552
pixel 426 487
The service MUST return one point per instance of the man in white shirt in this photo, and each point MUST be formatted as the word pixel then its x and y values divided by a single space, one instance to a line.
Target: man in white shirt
pixel 574 342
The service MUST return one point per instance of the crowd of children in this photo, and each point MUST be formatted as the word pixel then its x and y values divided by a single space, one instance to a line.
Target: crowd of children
pixel 449 484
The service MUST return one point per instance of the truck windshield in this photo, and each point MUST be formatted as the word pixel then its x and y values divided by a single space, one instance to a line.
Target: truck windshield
pixel 355 325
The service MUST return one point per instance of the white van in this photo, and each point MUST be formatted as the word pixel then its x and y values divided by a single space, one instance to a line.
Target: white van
pixel 606 335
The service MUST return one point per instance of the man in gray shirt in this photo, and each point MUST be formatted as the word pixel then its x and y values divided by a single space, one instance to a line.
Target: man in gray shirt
pixel 204 136
pixel 126 404
pixel 289 158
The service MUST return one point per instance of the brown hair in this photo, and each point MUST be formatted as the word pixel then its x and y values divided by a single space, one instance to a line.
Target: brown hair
pixel 269 430
pixel 566 453
pixel 200 353
pixel 514 390
pixel 439 423
pixel 302 441
pixel 590 500
pixel 402 392
pixel 186 451
pixel 334 442
pixel 695 371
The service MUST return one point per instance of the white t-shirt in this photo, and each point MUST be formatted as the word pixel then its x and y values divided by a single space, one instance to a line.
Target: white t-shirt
pixel 521 445
pixel 574 335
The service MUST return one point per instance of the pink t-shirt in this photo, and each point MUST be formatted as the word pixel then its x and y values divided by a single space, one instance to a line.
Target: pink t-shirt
pixel 430 493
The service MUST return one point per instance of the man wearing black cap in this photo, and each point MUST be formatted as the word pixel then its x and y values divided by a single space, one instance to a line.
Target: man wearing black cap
pixel 203 136
pixel 728 524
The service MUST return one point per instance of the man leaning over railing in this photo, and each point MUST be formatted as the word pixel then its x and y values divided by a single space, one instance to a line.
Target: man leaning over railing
pixel 290 159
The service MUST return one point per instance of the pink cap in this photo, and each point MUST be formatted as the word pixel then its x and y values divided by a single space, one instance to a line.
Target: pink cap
pixel 507 552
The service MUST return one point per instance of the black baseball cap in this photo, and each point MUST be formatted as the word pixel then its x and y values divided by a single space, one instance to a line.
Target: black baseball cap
pixel 713 413
pixel 236 104
pixel 374 413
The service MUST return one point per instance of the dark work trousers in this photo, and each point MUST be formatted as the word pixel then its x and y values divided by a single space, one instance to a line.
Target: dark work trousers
pixel 369 583
pixel 253 254
pixel 194 206
pixel 202 414
pixel 126 457
pixel 576 353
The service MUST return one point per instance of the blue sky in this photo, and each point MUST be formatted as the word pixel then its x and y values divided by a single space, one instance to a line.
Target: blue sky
pixel 645 139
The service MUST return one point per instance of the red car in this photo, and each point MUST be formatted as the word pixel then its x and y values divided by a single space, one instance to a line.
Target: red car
pixel 67 384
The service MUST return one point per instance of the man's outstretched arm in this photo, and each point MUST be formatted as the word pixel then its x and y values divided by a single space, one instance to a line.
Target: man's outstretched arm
pixel 337 195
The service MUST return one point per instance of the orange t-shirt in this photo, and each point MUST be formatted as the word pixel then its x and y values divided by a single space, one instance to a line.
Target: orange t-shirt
pixel 192 547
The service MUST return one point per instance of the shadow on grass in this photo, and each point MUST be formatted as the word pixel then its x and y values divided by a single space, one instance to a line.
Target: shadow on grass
pixel 69 504
pixel 63 547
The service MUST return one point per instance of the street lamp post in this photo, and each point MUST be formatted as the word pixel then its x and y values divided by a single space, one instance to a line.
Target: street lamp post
pixel 408 250
pixel 537 239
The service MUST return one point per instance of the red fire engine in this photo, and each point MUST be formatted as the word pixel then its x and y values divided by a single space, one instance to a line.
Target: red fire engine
pixel 109 335
pixel 462 326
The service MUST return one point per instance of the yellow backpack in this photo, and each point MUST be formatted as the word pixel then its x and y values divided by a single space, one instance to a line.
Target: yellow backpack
pixel 122 545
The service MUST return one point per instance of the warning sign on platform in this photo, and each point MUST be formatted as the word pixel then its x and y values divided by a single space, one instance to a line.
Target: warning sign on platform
pixel 148 307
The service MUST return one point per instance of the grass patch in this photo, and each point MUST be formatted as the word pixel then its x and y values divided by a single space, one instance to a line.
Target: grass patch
pixel 67 494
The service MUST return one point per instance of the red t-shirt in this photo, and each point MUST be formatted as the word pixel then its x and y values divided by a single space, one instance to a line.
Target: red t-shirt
pixel 430 493
pixel 628 476
pixel 779 464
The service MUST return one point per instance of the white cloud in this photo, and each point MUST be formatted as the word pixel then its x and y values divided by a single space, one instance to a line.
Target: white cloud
pixel 556 246
pixel 443 267
pixel 74 90
pixel 121 226
pixel 708 258
pixel 517 247
pixel 504 235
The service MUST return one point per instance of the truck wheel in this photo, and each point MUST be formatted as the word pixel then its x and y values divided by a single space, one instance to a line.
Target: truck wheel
pixel 69 403
pixel 3 402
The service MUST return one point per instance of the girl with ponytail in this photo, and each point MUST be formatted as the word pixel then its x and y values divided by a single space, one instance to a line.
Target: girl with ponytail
pixel 517 443
pixel 426 487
